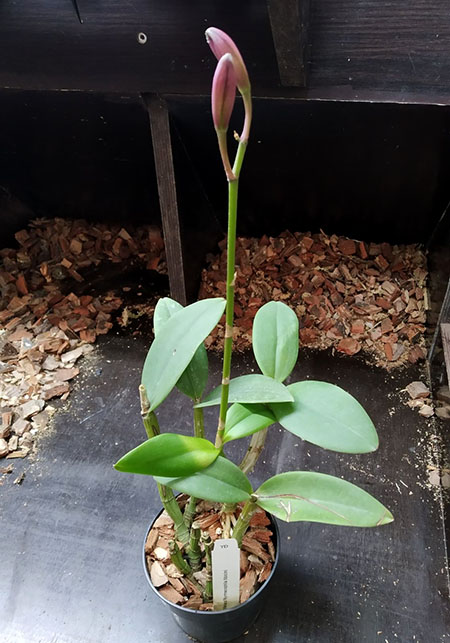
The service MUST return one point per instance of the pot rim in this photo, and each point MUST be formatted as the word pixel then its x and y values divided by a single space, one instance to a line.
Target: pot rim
pixel 206 613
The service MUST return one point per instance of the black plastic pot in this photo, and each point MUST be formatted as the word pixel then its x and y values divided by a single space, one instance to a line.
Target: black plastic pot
pixel 224 625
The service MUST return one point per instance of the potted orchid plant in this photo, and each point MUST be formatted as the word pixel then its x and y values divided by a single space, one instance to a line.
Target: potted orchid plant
pixel 199 468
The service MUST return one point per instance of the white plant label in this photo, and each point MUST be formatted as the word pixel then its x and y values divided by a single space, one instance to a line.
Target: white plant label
pixel 225 573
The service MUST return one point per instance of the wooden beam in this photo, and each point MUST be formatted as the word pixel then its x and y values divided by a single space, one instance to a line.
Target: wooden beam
pixel 445 335
pixel 444 320
pixel 289 22
pixel 165 174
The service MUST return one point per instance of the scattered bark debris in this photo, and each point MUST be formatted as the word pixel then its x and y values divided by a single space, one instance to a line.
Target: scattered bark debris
pixel 4 471
pixel 45 328
pixel 20 478
pixel 257 555
pixel 419 394
pixel 347 294
pixel 418 390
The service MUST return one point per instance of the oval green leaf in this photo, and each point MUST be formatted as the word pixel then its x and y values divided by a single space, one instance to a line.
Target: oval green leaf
pixel 246 419
pixel 222 481
pixel 328 416
pixel 164 310
pixel 175 345
pixel 275 339
pixel 250 389
pixel 317 497
pixel 169 454
pixel 193 380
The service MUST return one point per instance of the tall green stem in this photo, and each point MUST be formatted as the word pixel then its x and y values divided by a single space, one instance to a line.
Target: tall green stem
pixel 151 425
pixel 172 508
pixel 208 545
pixel 177 558
pixel 195 553
pixel 199 424
pixel 165 493
pixel 199 432
pixel 243 521
pixel 229 312
pixel 254 451
pixel 189 511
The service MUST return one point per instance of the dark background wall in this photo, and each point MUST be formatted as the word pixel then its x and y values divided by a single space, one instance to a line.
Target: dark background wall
pixel 361 150
pixel 75 155
pixel 372 171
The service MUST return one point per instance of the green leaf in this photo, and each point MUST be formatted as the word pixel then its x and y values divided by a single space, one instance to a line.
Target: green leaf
pixel 169 454
pixel 316 497
pixel 275 339
pixel 193 380
pixel 328 416
pixel 175 344
pixel 164 310
pixel 245 419
pixel 251 389
pixel 222 481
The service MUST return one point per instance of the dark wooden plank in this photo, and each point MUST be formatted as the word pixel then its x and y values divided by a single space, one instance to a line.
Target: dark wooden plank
pixel 162 150
pixel 438 254
pixel 375 46
pixel 381 44
pixel 105 52
pixel 445 334
pixel 199 221
pixel 289 22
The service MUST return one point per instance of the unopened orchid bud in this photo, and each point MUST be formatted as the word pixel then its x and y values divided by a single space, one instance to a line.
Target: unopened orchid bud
pixel 222 101
pixel 222 44
pixel 223 92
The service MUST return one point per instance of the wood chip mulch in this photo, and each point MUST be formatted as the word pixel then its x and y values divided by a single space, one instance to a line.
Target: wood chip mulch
pixel 44 327
pixel 257 556
pixel 349 295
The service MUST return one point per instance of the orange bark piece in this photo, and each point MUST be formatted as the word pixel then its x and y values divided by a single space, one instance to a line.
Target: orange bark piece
pixel 171 594
pixel 259 519
pixel 247 585
pixel 21 285
pixel 347 246
pixel 206 520
pixel 358 327
pixel 349 346
pixel 386 326
pixel 389 351
pixel 309 335
pixel 254 547
pixel 362 250
pixel 265 572
pixel 261 535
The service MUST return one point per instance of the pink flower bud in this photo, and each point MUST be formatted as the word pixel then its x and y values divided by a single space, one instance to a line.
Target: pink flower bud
pixel 223 92
pixel 221 44
pixel 222 100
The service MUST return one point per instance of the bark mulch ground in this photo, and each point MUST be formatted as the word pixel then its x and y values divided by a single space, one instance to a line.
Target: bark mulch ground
pixel 44 326
pixel 349 295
